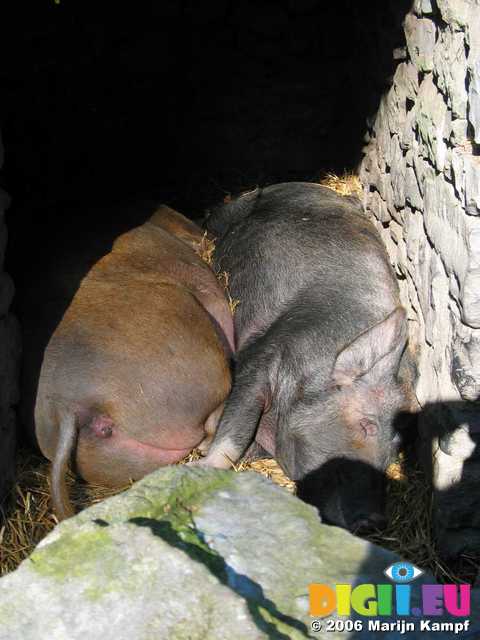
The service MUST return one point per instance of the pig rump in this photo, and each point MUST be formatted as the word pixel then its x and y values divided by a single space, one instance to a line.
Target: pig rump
pixel 138 364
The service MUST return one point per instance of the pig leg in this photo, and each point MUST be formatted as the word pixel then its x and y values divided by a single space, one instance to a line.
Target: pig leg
pixel 210 429
pixel 243 410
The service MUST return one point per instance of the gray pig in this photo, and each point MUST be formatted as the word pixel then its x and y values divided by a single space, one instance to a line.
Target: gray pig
pixel 322 370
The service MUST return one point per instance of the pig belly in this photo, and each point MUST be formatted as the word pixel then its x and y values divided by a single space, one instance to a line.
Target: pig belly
pixel 158 456
pixel 116 460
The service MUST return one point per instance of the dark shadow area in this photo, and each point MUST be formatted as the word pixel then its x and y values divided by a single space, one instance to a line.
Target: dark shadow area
pixel 352 493
pixel 242 585
pixel 187 99
pixel 453 540
pixel 107 111
pixel 455 520
pixel 349 491
pixel 454 427
pixel 48 276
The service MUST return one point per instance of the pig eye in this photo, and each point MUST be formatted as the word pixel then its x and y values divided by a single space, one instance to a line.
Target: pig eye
pixel 402 572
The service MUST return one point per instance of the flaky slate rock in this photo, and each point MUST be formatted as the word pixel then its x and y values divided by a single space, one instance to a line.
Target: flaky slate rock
pixel 420 36
pixel 433 110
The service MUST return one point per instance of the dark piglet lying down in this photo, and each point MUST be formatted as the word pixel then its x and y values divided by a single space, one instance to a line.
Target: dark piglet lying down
pixel 137 371
pixel 322 369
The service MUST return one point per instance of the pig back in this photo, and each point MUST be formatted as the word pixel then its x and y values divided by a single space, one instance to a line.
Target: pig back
pixel 297 241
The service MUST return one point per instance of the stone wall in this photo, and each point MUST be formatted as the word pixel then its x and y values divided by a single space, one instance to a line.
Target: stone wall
pixel 9 359
pixel 421 173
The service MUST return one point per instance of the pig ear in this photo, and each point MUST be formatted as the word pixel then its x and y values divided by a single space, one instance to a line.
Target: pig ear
pixel 375 352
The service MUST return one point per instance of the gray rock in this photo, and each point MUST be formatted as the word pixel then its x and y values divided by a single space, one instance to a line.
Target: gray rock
pixel 378 207
pixel 466 362
pixel 396 108
pixel 397 176
pixel 471 284
pixel 433 123
pixel 420 34
pixel 455 169
pixel 382 134
pixel 188 553
pixel 446 226
pixel 422 6
pixel 406 77
pixel 458 132
pixel 413 235
pixel 412 191
pixel 457 12
pixel 474 99
pixel 471 171
pixel 408 135
pixel 400 53
pixel 450 70
pixel 423 172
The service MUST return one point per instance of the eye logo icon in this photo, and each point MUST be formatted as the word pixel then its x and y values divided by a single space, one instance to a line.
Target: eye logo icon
pixel 402 572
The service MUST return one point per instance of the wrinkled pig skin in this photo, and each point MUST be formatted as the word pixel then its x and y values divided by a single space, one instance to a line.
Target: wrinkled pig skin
pixel 138 368
pixel 322 372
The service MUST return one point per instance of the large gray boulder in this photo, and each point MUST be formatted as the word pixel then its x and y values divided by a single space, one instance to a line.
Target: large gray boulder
pixel 186 553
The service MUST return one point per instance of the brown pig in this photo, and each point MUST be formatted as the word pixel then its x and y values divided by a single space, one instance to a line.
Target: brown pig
pixel 136 373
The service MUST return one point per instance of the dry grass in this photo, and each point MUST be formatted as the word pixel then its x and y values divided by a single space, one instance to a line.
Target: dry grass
pixel 223 278
pixel 206 249
pixel 347 185
pixel 30 517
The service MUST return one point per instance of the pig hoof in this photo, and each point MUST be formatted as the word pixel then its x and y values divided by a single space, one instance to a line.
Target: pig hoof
pixel 204 446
